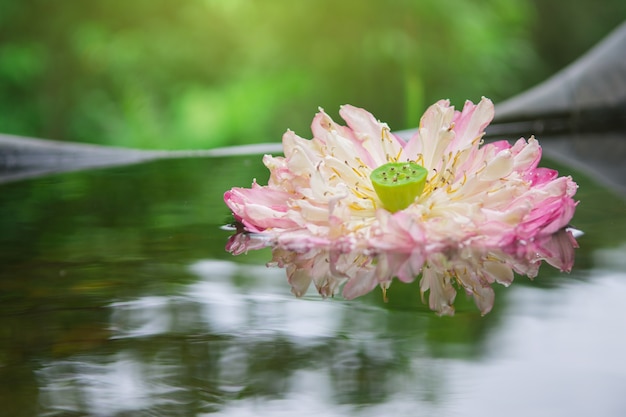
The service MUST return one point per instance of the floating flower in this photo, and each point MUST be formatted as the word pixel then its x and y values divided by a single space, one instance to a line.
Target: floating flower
pixel 443 200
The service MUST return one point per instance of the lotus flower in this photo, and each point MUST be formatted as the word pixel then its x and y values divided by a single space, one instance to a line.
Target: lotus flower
pixel 441 195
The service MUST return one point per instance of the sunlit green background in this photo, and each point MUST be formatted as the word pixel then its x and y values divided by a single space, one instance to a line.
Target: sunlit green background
pixel 206 73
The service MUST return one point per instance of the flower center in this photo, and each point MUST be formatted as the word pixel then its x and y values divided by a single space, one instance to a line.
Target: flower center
pixel 398 183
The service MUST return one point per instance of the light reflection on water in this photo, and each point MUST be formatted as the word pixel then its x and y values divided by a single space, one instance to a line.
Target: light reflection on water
pixel 549 345
pixel 263 316
pixel 562 351
pixel 106 386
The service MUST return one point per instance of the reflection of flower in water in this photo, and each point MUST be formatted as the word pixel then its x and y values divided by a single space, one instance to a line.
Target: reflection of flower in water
pixel 471 268
pixel 440 204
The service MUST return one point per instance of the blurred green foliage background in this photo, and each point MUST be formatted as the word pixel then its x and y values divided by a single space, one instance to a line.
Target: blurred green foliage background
pixel 207 73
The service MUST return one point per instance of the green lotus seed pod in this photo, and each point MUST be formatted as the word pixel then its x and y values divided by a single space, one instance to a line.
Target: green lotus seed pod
pixel 398 183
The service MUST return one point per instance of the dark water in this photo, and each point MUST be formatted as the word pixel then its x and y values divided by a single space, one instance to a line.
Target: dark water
pixel 118 299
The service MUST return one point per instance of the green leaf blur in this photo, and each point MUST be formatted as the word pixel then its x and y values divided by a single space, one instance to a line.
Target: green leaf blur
pixel 207 73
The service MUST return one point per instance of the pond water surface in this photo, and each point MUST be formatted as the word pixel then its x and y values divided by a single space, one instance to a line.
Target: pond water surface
pixel 118 299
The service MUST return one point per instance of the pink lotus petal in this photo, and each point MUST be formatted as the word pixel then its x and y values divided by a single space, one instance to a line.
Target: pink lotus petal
pixel 486 210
